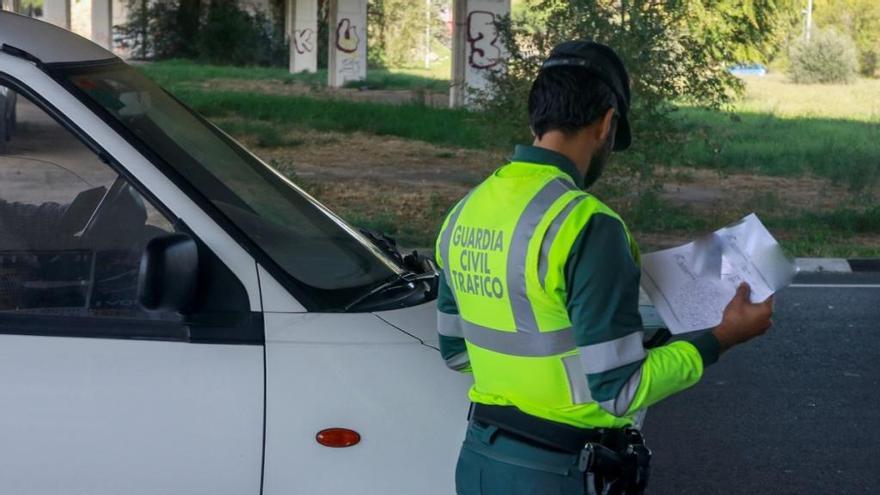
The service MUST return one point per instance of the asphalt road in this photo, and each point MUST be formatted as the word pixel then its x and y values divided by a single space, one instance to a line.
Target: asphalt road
pixel 795 412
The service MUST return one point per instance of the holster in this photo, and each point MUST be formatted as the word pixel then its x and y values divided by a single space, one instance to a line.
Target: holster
pixel 617 469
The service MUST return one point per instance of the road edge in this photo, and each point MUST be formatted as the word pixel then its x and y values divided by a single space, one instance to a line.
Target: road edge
pixel 837 265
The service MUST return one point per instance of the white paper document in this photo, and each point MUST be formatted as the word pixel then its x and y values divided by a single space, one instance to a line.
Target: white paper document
pixel 690 285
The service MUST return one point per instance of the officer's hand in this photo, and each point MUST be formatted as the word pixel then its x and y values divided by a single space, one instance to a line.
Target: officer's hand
pixel 743 320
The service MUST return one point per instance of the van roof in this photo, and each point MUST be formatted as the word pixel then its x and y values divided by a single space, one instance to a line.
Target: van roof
pixel 50 44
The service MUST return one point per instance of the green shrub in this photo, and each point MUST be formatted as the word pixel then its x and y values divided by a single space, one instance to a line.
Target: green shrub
pixel 675 50
pixel 829 57
pixel 219 32
pixel 232 35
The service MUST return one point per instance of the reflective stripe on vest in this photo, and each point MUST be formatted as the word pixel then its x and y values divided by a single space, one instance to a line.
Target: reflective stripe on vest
pixel 523 313
pixel 527 340
pixel 525 344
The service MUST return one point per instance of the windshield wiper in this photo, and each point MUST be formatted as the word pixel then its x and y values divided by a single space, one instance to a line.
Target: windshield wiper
pixel 413 262
pixel 410 281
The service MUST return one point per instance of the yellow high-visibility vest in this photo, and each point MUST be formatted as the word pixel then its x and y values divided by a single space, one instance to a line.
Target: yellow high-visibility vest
pixel 503 249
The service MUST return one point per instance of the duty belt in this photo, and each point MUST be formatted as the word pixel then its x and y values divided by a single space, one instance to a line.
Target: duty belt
pixel 616 458
pixel 558 436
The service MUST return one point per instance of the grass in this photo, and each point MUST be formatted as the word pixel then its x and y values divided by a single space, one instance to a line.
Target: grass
pixel 785 129
pixel 265 134
pixel 410 121
pixel 845 151
pixel 775 95
pixel 801 233
pixel 177 73
pixel 778 129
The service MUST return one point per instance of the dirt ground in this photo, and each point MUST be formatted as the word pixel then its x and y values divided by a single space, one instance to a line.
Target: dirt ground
pixel 393 96
pixel 406 186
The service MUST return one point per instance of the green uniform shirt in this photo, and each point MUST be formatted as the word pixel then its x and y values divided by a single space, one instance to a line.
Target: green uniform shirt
pixel 602 282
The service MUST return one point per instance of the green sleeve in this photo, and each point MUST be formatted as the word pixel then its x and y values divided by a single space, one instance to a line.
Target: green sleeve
pixel 452 345
pixel 602 285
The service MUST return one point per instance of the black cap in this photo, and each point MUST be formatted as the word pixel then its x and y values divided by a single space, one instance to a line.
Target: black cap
pixel 604 64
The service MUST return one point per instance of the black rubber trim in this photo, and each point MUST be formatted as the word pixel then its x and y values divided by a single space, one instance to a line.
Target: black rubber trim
pixel 237 329
pixel 22 54
pixel 265 407
pixel 26 55
pixel 198 330
pixel 89 63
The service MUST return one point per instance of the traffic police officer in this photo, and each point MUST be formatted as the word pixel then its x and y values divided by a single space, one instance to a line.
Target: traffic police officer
pixel 539 300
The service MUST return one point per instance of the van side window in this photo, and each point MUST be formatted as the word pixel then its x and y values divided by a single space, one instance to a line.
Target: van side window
pixel 72 230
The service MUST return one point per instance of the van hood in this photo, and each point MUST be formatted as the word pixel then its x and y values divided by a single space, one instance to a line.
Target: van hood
pixel 419 321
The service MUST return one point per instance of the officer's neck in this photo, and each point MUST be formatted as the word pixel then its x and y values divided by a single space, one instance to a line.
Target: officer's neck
pixel 578 147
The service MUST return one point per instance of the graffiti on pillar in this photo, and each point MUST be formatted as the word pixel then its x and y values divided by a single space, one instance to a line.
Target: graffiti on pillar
pixel 482 37
pixel 303 41
pixel 347 39
pixel 350 68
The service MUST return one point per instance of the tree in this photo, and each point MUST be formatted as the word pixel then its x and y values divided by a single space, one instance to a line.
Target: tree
pixel 675 51
pixel 859 18
pixel 828 57
pixel 397 30
pixel 216 31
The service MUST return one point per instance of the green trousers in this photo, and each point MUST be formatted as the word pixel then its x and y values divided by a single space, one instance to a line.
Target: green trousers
pixel 492 462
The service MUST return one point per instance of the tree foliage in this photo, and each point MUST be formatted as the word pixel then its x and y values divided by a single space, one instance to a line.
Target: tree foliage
pixel 829 57
pixel 859 18
pixel 397 31
pixel 216 31
pixel 675 50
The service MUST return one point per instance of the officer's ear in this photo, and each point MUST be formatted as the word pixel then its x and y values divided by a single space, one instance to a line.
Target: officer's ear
pixel 606 125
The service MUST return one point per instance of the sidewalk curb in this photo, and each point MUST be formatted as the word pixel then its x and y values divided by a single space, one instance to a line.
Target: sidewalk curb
pixel 822 265
pixel 837 265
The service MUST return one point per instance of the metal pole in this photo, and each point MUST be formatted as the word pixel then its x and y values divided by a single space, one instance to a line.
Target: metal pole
pixel 809 20
pixel 459 53
pixel 427 34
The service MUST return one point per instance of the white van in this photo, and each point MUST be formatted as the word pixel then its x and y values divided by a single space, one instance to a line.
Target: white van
pixel 176 317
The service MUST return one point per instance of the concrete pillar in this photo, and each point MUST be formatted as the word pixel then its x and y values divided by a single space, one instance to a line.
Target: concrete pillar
pixel 57 12
pixel 119 10
pixel 301 24
pixel 476 46
pixel 11 5
pixel 347 51
pixel 81 17
pixel 102 23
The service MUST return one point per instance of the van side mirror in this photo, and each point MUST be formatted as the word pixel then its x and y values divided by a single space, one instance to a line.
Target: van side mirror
pixel 169 273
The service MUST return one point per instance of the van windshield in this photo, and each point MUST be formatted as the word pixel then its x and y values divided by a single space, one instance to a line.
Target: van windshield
pixel 328 262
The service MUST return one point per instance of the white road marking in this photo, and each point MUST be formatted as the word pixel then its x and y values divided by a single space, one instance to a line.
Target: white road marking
pixel 835 286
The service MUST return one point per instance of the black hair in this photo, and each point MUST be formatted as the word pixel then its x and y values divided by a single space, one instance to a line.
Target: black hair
pixel 567 99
